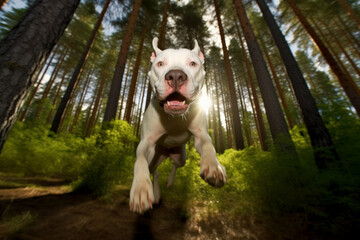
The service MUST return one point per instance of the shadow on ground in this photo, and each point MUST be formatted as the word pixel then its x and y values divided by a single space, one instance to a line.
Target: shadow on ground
pixel 78 216
pixel 50 212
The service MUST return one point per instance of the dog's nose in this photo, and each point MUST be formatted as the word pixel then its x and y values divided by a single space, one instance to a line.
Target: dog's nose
pixel 175 78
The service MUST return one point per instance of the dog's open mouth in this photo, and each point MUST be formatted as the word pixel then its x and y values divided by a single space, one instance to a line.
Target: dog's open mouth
pixel 175 104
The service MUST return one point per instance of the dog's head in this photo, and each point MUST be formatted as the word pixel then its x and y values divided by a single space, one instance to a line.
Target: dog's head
pixel 176 77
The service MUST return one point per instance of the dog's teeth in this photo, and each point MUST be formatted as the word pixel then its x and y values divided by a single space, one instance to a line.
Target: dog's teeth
pixel 169 103
pixel 183 103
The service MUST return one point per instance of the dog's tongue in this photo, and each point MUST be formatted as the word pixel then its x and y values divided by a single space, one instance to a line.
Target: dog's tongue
pixel 175 103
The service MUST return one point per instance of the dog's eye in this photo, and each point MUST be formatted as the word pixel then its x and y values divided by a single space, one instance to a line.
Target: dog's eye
pixel 160 64
pixel 193 64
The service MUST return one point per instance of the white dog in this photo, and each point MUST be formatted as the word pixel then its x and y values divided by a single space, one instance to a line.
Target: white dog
pixel 174 114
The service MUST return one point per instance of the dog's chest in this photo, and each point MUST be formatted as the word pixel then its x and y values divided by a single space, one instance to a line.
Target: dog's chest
pixel 176 132
pixel 170 141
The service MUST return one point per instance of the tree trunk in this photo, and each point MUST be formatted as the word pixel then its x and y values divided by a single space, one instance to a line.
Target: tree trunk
pixel 332 50
pixel 68 111
pixel 350 11
pixel 92 119
pixel 23 51
pixel 82 99
pixel 345 52
pixel 55 72
pixel 55 99
pixel 319 135
pixel 350 87
pixel 279 88
pixel 278 128
pixel 2 3
pixel 133 110
pixel 254 113
pixel 214 126
pixel 220 132
pixel 227 115
pixel 259 116
pixel 349 32
pixel 51 81
pixel 162 32
pixel 113 99
pixel 36 88
pixel 130 98
pixel 247 129
pixel 350 41
pixel 55 127
pixel 239 140
pixel 124 88
pixel 137 132
pixel 89 112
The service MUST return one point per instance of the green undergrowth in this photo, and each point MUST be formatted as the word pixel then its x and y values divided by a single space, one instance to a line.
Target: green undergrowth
pixel 110 162
pixel 30 151
pixel 11 225
pixel 272 185
pixel 95 164
pixel 268 185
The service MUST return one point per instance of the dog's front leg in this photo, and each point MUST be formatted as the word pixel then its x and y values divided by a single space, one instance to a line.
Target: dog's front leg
pixel 210 168
pixel 141 193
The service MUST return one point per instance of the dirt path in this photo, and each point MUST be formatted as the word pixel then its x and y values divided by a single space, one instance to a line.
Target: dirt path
pixel 53 213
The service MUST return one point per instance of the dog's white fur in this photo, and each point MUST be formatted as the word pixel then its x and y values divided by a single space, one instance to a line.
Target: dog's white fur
pixel 164 134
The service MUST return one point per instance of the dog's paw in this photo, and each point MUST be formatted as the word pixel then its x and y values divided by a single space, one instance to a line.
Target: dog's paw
pixel 213 173
pixel 141 195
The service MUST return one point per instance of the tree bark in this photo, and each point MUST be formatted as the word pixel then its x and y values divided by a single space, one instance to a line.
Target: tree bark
pixel 161 43
pixel 220 132
pixel 278 128
pixel 124 88
pixel 2 3
pixel 82 99
pixel 23 51
pixel 350 11
pixel 137 131
pixel 279 88
pixel 94 112
pixel 343 50
pixel 227 116
pixel 60 113
pixel 319 135
pixel 239 139
pixel 113 99
pixel 130 98
pixel 56 97
pixel 349 86
pixel 348 31
pixel 35 89
pixel 259 116
pixel 247 129
pixel 332 50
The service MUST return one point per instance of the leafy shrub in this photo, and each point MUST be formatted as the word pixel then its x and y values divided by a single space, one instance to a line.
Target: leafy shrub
pixel 271 184
pixel 30 151
pixel 111 162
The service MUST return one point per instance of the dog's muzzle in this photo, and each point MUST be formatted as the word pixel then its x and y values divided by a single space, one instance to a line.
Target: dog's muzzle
pixel 175 103
pixel 175 78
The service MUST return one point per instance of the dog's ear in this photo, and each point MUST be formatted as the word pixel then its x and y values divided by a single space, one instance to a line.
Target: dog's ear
pixel 155 46
pixel 152 58
pixel 197 51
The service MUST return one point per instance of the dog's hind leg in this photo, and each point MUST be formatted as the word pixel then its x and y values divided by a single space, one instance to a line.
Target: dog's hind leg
pixel 178 155
pixel 161 154
pixel 156 187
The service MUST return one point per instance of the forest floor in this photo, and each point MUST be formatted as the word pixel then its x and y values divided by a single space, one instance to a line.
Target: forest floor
pixel 37 208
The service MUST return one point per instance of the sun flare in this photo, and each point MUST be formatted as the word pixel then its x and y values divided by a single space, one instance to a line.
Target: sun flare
pixel 205 102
